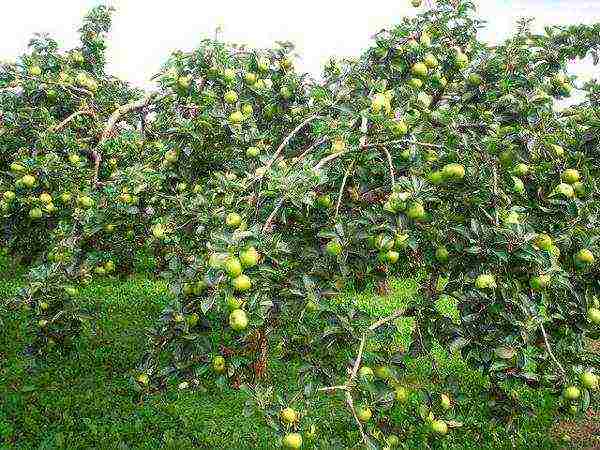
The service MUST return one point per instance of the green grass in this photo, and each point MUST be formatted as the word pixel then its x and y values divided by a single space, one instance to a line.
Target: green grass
pixel 86 399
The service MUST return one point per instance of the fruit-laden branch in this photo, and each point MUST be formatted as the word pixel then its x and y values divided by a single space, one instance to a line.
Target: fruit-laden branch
pixel 73 89
pixel 112 122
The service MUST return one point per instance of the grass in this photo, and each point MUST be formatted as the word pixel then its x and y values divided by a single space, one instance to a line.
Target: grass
pixel 86 399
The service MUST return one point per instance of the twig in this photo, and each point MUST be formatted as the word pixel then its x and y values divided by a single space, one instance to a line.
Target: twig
pixel 385 320
pixel 562 370
pixel 341 193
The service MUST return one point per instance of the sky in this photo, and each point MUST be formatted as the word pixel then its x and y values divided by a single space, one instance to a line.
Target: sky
pixel 145 32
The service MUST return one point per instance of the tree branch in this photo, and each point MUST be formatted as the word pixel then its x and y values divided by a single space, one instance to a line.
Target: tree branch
pixel 112 122
pixel 73 116
pixel 390 164
pixel 402 141
pixel 562 370
pixel 341 194
pixel 288 138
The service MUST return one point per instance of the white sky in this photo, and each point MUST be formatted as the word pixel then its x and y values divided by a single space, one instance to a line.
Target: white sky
pixel 146 31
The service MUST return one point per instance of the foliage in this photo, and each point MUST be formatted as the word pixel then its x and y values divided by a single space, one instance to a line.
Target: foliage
pixel 264 195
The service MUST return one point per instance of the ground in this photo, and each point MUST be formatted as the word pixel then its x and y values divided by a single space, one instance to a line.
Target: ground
pixel 86 398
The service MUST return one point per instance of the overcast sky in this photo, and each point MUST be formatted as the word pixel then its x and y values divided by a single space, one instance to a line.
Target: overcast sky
pixel 146 31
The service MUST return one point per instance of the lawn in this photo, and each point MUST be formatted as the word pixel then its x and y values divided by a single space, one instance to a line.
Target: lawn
pixel 87 399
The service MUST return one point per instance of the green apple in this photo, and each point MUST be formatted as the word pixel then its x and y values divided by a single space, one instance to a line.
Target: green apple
pixel 439 427
pixel 9 196
pixel 445 401
pixel 229 75
pixel 171 156
pixel 218 364
pixel 233 267
pixel 364 413
pixel 288 416
pixel 250 77
pixel 184 82
pixel 366 373
pixel 454 171
pixel 589 380
pixel 584 257
pixel 159 231
pixel 333 248
pixel 233 220
pixel 570 176
pixel 35 71
pixel 557 150
pixel 230 97
pixel 28 181
pixel 442 254
pixel 594 315
pixel 485 281
pixel 85 202
pixel 292 441
pixel 415 83
pixel 461 60
pixel 565 190
pixel 401 394
pixel 474 79
pixel 379 102
pixel 521 170
pixel 518 185
pixel 420 70
pixel 399 127
pixel 45 198
pixel 571 393
pixel 241 283
pixel 236 118
pixel 238 320
pixel 543 241
pixel 247 110
pixel 430 61
pixel 249 257
pixel 416 211
pixel 539 282
pixel 35 213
